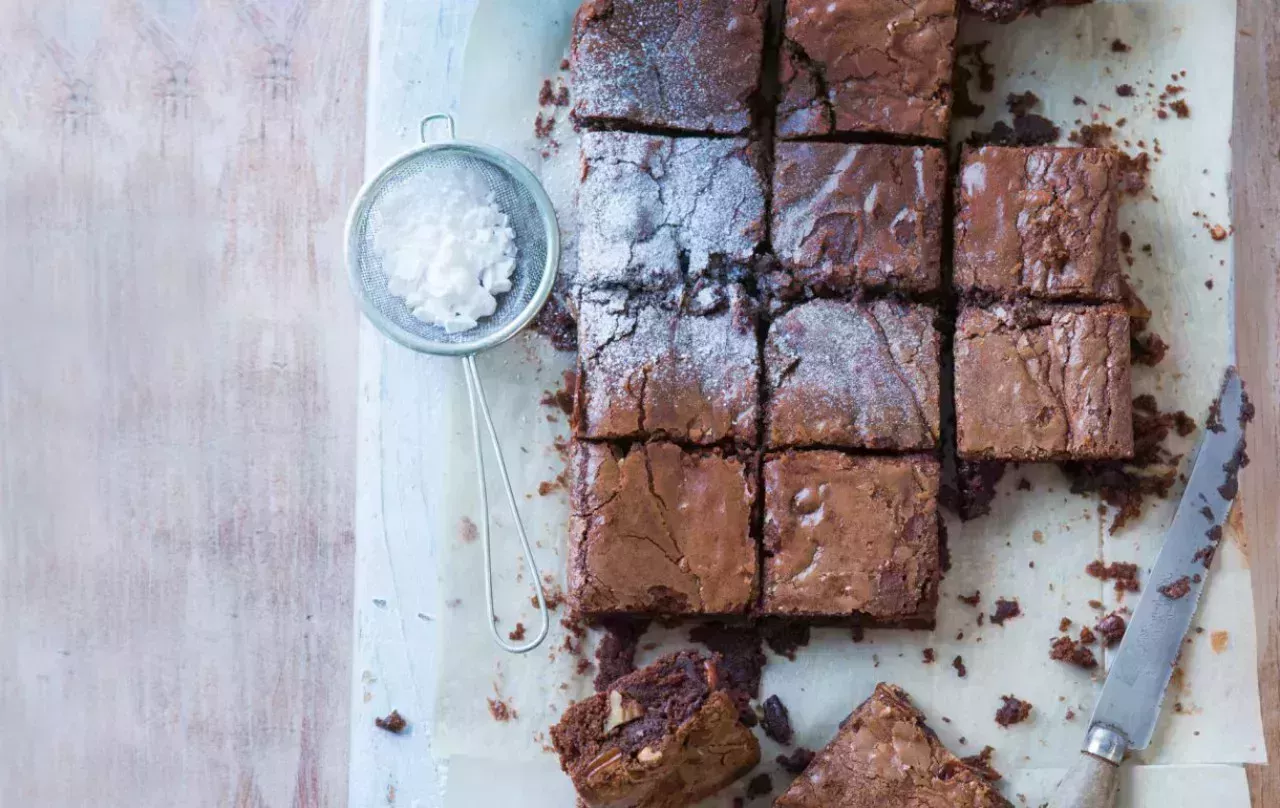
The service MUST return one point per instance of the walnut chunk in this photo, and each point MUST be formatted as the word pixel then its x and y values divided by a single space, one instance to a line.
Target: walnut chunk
pixel 649 755
pixel 622 710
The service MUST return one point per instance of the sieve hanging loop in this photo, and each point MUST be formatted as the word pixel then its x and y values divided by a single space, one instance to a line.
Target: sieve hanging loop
pixel 437 116
pixel 531 216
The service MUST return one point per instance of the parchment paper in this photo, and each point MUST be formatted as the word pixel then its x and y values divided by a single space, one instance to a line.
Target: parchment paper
pixel 1033 546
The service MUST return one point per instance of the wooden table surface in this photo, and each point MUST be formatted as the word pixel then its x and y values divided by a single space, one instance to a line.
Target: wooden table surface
pixel 178 433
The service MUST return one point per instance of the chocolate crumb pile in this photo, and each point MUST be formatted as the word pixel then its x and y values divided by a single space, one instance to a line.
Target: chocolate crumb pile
pixel 1028 128
pixel 616 653
pixel 1123 573
pixel 1065 649
pixel 1174 590
pixel 1126 484
pixel 1005 610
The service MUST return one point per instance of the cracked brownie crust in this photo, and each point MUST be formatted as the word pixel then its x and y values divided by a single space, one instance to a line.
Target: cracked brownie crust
pixel 1039 222
pixel 659 530
pixel 685 370
pixel 680 64
pixel 851 536
pixel 848 216
pixel 665 736
pixel 885 754
pixel 1040 382
pixel 657 210
pixel 881 66
pixel 857 375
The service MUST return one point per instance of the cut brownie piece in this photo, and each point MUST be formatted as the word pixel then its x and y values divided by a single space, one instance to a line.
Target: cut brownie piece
pixel 881 66
pixel 1041 382
pixel 650 366
pixel 1010 10
pixel 885 755
pixel 665 736
pixel 852 537
pixel 847 215
pixel 659 530
pixel 657 210
pixel 678 64
pixel 849 374
pixel 1039 222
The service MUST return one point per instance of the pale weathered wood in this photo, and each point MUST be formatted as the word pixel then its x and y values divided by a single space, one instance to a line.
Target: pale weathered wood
pixel 1256 177
pixel 177 388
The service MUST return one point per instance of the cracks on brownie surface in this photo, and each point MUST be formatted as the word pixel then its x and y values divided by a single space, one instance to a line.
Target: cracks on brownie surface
pixel 897 370
pixel 820 99
pixel 663 509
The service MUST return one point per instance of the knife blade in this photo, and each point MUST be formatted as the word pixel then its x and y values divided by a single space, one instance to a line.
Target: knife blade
pixel 1136 682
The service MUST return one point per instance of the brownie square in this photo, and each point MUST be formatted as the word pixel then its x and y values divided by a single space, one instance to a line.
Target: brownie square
pixel 853 374
pixel 655 211
pixel 659 530
pixel 851 536
pixel 848 216
pixel 1039 222
pixel 678 64
pixel 664 736
pixel 683 369
pixel 885 755
pixel 1041 382
pixel 879 66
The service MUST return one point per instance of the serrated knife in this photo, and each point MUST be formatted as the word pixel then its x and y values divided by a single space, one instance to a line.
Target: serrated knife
pixel 1129 705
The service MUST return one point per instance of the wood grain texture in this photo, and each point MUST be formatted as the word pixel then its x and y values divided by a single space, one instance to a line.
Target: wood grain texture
pixel 1256 178
pixel 177 400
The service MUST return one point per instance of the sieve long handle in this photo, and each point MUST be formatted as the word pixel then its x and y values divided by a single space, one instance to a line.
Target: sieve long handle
pixel 480 407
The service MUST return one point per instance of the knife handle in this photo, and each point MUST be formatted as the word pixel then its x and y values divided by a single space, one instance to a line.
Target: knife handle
pixel 1092 781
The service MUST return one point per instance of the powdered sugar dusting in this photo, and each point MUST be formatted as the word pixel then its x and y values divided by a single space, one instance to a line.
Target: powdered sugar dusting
pixel 854 375
pixel 650 205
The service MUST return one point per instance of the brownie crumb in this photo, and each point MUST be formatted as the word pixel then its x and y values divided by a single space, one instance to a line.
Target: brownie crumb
pixel 545 93
pixel 1218 233
pixel 1209 283
pixel 971 600
pixel 616 653
pixel 1123 573
pixel 1087 636
pixel 1005 610
pixel 970 62
pixel 857 633
pixel 1022 103
pixel 393 722
pixel 1124 90
pixel 501 711
pixel 1176 589
pixel 1180 108
pixel 776 722
pixel 759 786
pixel 1064 624
pixel 981 763
pixel 797 761
pixel 562 397
pixel 958 664
pixel 1120 46
pixel 556 321
pixel 1070 714
pixel 517 633
pixel 785 637
pixel 1079 102
pixel 1065 649
pixel 1024 484
pixel 467 531
pixel 742 660
pixel 929 657
pixel 1095 604
pixel 1013 711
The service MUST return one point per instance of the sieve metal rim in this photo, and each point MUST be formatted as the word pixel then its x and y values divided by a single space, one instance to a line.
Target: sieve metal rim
pixel 546 212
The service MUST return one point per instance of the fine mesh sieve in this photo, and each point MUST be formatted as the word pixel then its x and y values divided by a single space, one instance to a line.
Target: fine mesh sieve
pixel 537 237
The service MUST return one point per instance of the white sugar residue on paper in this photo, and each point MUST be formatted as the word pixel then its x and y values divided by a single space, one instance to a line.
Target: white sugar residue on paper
pixel 1034 546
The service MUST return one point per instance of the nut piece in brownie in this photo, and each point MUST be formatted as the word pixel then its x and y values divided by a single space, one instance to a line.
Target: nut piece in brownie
pixel 656 529
pixel 657 210
pixel 884 755
pixel 846 216
pixel 880 66
pixel 678 64
pixel 852 374
pixel 662 366
pixel 1041 382
pixel 849 536
pixel 1039 222
pixel 665 736
pixel 1010 10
